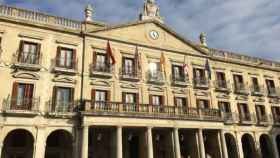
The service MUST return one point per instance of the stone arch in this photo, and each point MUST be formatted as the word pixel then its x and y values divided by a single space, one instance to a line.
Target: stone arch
pixel 15 148
pixel 231 145
pixel 59 144
pixel 266 146
pixel 248 146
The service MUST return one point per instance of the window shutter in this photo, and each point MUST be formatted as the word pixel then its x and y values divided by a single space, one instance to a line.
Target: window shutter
pixel 162 100
pixel 175 101
pixel 137 98
pixel 72 94
pixel 54 98
pixel 108 96
pixel 14 94
pixel 57 56
pixel 93 95
pixel 21 44
pixel 94 58
pixel 28 95
pixel 74 59
pixel 123 97
pixel 151 99
pixel 38 55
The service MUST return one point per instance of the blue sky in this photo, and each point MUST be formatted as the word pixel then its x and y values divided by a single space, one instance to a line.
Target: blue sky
pixel 250 27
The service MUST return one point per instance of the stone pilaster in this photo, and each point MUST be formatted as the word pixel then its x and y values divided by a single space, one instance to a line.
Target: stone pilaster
pixel 177 143
pixel 201 143
pixel 119 142
pixel 223 143
pixel 150 142
pixel 40 144
pixel 85 142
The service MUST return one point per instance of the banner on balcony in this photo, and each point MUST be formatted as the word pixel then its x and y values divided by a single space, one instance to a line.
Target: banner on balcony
pixel 110 53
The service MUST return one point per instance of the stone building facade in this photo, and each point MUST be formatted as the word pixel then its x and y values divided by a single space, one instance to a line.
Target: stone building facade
pixel 86 89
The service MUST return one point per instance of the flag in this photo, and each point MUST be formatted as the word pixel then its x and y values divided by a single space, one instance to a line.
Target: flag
pixel 208 69
pixel 110 53
pixel 137 59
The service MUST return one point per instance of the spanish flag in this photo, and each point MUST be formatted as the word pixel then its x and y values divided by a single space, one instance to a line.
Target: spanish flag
pixel 110 53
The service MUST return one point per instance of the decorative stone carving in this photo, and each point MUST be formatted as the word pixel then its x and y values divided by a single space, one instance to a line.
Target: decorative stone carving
pixel 274 100
pixel 64 79
pixel 156 88
pixel 201 93
pixel 129 86
pixel 258 99
pixel 241 97
pixel 203 39
pixel 223 96
pixel 150 11
pixel 104 83
pixel 179 90
pixel 26 75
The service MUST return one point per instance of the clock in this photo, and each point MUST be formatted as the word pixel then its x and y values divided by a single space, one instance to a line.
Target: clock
pixel 154 35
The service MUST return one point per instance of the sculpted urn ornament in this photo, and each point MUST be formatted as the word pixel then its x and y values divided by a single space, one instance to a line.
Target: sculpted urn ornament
pixel 150 11
pixel 202 38
pixel 88 13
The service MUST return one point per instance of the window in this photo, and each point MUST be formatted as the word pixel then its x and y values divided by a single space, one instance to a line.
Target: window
pixel 260 110
pixel 276 113
pixel 244 111
pixel 100 95
pixel 180 102
pixel 156 100
pixel 63 98
pixel 22 95
pixel 199 73
pixel 221 79
pixel 224 106
pixel 130 98
pixel 29 52
pixel 154 68
pixel 203 104
pixel 270 86
pixel 238 82
pixel 101 61
pixel 66 57
pixel 128 66
pixel 177 72
pixel 255 84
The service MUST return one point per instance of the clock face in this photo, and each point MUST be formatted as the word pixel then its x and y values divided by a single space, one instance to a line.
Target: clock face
pixel 154 35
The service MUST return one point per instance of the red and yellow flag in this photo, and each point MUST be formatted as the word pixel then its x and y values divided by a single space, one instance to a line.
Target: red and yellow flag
pixel 110 53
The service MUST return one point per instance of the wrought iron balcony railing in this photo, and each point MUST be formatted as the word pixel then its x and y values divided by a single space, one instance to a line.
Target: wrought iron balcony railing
pixel 264 119
pixel 62 66
pixel 130 73
pixel 247 118
pixel 201 83
pixel 241 88
pixel 180 80
pixel 276 119
pixel 22 105
pixel 27 61
pixel 61 107
pixel 273 92
pixel 102 70
pixel 156 77
pixel 257 90
pixel 230 117
pixel 222 85
pixel 150 111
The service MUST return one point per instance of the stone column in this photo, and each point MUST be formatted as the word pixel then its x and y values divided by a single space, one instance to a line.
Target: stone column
pixel 1 147
pixel 223 143
pixel 119 142
pixel 239 145
pixel 40 144
pixel 201 143
pixel 150 142
pixel 85 142
pixel 176 143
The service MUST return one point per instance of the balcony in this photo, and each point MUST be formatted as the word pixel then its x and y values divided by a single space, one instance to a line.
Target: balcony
pixel 62 108
pixel 156 77
pixel 230 117
pixel 241 88
pixel 21 107
pixel 65 67
pixel 263 120
pixel 130 74
pixel 150 111
pixel 257 90
pixel 179 80
pixel 102 70
pixel 273 92
pixel 222 86
pixel 201 83
pixel 247 119
pixel 30 61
